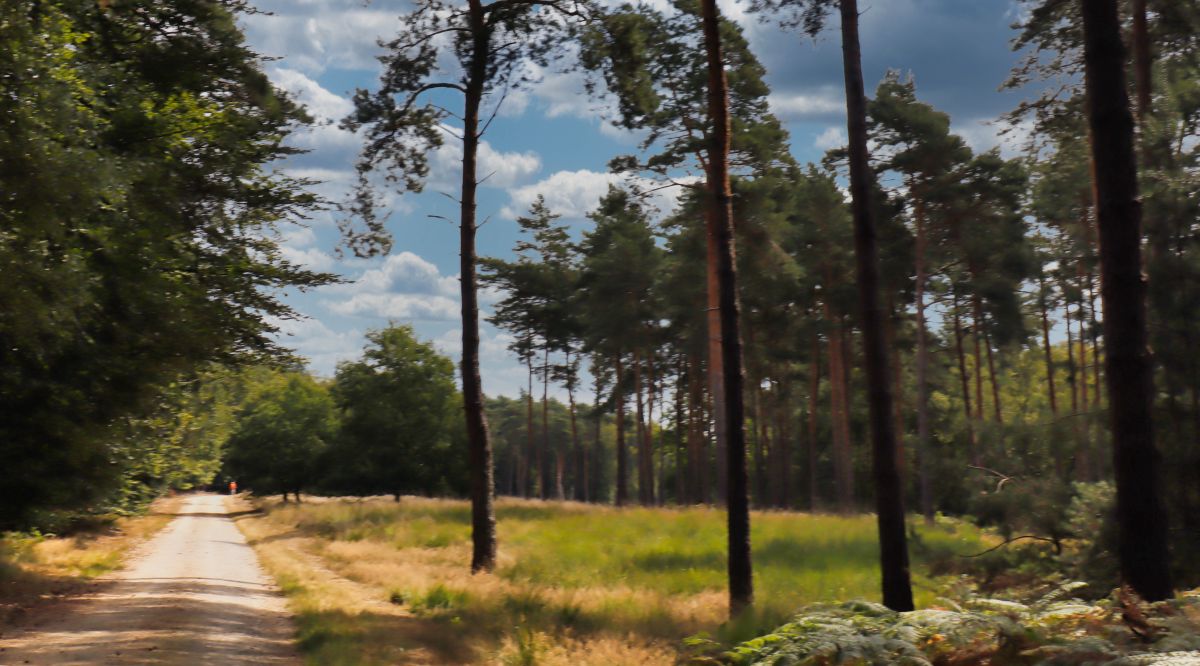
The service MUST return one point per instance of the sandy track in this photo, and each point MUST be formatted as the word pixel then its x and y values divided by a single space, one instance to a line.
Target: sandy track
pixel 194 594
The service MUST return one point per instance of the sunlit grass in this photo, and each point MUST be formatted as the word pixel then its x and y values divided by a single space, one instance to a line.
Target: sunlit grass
pixel 575 581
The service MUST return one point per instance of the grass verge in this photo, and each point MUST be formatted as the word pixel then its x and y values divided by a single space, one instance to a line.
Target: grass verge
pixel 375 582
pixel 37 567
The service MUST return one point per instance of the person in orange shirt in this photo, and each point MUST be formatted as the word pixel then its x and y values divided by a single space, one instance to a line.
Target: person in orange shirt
pixel 233 487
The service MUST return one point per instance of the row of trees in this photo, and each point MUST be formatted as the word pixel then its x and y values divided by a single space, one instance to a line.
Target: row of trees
pixel 959 259
pixel 386 424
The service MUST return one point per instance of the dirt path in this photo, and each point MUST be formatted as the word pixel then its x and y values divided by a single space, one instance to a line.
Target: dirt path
pixel 194 594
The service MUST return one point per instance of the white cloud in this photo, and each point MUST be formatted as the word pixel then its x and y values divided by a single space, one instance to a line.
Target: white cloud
pixel 313 36
pixel 405 288
pixel 321 103
pixel 321 345
pixel 573 194
pixel 832 137
pixel 821 102
pixel 495 168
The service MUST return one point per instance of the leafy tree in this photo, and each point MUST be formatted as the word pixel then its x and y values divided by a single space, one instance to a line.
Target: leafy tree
pixel 281 434
pixel 399 432
pixel 162 259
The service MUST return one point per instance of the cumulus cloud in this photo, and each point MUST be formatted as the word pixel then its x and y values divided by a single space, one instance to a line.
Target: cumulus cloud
pixel 313 35
pixel 404 287
pixel 322 346
pixel 573 194
pixel 832 137
pixel 820 102
pixel 496 168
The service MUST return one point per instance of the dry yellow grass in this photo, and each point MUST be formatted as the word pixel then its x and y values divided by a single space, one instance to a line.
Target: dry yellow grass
pixel 375 582
pixel 37 568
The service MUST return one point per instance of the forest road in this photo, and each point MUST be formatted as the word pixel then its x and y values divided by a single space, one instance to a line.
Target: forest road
pixel 194 594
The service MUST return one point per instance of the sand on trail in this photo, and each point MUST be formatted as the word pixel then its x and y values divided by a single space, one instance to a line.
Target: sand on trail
pixel 194 594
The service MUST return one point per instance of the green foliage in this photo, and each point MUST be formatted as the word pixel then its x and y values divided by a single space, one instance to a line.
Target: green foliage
pixel 400 426
pixel 158 262
pixel 280 435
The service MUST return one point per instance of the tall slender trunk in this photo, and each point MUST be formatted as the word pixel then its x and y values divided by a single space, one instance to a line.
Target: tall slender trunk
pixel 1043 306
pixel 483 515
pixel 760 447
pixel 1095 337
pixel 543 473
pixel 977 334
pixel 997 407
pixel 530 437
pixel 889 495
pixel 783 429
pixel 1082 426
pixel 577 447
pixel 1142 62
pixel 622 492
pixel 1141 521
pixel 814 388
pixel 682 496
pixel 741 582
pixel 716 377
pixel 651 387
pixel 889 331
pixel 922 370
pixel 843 470
pixel 643 476
pixel 972 444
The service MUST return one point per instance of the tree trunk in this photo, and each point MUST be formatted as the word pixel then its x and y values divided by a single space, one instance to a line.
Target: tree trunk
pixel 1142 61
pixel 697 461
pixel 622 492
pixel 530 437
pixel 760 447
pixel 580 463
pixel 972 444
pixel 651 387
pixel 543 473
pixel 1141 520
pixel 922 367
pixel 814 388
pixel 997 408
pixel 741 582
pixel 483 516
pixel 977 334
pixel 843 470
pixel 889 495
pixel 1046 346
pixel 645 481
pixel 716 378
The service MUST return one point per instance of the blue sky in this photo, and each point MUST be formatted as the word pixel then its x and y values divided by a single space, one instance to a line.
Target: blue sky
pixel 553 139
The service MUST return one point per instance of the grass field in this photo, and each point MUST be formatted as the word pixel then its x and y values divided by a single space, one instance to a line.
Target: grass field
pixel 37 566
pixel 376 581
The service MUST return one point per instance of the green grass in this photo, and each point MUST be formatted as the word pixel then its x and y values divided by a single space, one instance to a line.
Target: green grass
pixel 798 558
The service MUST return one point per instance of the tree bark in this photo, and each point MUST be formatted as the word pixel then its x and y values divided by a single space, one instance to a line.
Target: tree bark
pixel 1046 347
pixel 843 470
pixel 922 370
pixel 622 492
pixel 889 495
pixel 814 388
pixel 741 583
pixel 483 516
pixel 543 485
pixel 977 336
pixel 530 437
pixel 1142 62
pixel 1141 520
pixel 645 472
pixel 997 407
pixel 972 444
pixel 716 377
